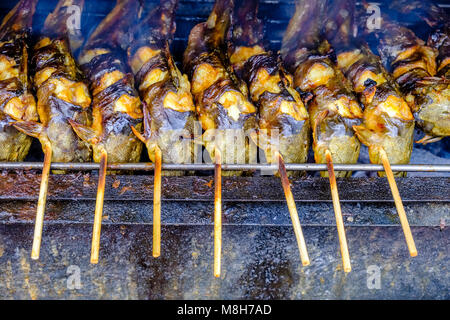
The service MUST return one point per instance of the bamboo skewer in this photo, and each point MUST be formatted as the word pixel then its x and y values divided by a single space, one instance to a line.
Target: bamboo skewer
pixel 217 212
pixel 157 205
pixel 292 210
pixel 338 213
pixel 95 246
pixel 41 202
pixel 398 203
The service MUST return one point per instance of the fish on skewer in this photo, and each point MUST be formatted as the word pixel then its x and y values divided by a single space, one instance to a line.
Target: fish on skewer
pixel 283 120
pixel 62 95
pixel 388 124
pixel 270 86
pixel 220 98
pixel 169 111
pixel 439 22
pixel 116 106
pixel 16 101
pixel 332 106
pixel 413 66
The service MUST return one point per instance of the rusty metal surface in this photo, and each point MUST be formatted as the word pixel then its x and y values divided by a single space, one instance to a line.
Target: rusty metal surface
pixel 260 256
pixel 259 262
pixel 234 213
pixel 25 186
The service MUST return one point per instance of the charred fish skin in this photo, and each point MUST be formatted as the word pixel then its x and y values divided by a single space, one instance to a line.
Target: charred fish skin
pixel 333 108
pixel 387 121
pixel 116 106
pixel 169 111
pixel 61 91
pixel 437 19
pixel 413 66
pixel 16 101
pixel 270 87
pixel 221 99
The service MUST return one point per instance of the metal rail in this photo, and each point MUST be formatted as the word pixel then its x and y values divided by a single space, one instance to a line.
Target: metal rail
pixel 143 166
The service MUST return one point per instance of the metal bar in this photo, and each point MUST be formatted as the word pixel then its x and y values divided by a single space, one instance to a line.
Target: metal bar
pixel 241 167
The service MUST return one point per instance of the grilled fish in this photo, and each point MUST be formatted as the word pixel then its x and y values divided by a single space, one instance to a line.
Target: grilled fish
pixel 413 66
pixel 270 87
pixel 116 106
pixel 221 98
pixel 387 122
pixel 169 111
pixel 439 22
pixel 62 93
pixel 332 106
pixel 16 101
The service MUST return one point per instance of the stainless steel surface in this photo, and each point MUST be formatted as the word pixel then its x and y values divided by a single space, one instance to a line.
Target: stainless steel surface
pixel 201 167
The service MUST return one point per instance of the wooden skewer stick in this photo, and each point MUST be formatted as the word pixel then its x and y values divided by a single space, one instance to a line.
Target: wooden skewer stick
pixel 157 205
pixel 398 203
pixel 41 202
pixel 338 213
pixel 95 246
pixel 292 210
pixel 217 212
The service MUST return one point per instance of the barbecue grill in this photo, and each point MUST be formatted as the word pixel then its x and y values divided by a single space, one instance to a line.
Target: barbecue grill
pixel 259 254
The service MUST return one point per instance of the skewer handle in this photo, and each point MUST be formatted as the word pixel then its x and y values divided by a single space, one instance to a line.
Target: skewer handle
pixel 398 204
pixel 338 213
pixel 157 205
pixel 293 211
pixel 95 246
pixel 217 212
pixel 41 203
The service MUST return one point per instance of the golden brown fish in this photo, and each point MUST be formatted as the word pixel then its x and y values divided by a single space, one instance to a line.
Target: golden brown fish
pixel 387 122
pixel 333 108
pixel 116 106
pixel 61 90
pixel 16 101
pixel 169 111
pixel 221 100
pixel 413 66
pixel 270 86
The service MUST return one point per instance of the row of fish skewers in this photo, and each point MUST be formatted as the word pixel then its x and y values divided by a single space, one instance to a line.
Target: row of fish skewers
pixel 125 90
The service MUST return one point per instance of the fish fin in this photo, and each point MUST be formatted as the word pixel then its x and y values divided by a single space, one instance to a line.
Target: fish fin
pixel 20 17
pixel 30 128
pixel 369 91
pixel 429 139
pixel 138 134
pixel 319 118
pixel 219 21
pixel 115 27
pixel 85 133
pixel 363 134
